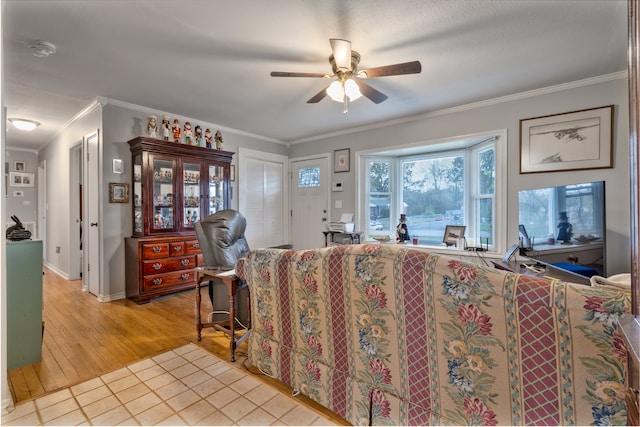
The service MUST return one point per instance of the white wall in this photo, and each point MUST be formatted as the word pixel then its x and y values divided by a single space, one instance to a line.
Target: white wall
pixel 506 113
pixel 59 176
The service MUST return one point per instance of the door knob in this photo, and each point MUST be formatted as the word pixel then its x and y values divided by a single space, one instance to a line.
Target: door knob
pixel 94 224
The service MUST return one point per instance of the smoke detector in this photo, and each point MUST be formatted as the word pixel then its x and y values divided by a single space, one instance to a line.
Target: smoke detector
pixel 42 49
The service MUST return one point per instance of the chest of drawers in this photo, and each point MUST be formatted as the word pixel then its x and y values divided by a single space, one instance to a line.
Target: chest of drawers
pixel 164 265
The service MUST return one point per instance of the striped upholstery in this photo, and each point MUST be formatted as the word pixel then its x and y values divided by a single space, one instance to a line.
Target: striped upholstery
pixel 399 336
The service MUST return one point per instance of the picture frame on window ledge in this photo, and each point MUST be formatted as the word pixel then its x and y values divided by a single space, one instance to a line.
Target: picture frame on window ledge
pixel 453 234
pixel 341 160
pixel 118 192
pixel 571 141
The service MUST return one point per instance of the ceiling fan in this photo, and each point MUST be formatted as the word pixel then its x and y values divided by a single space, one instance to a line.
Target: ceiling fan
pixel 348 85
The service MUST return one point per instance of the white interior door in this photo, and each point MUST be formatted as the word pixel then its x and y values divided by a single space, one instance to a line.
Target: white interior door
pixel 262 198
pixel 42 205
pixel 75 216
pixel 309 201
pixel 91 209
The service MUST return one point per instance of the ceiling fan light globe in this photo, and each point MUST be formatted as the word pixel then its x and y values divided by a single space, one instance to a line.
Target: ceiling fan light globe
pixel 336 91
pixel 352 90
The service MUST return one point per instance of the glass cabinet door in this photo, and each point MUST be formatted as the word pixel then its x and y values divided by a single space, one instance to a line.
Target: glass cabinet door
pixel 191 194
pixel 216 189
pixel 163 171
pixel 138 222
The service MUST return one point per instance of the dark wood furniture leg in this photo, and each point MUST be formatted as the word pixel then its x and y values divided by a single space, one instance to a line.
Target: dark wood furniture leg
pixel 232 286
pixel 228 327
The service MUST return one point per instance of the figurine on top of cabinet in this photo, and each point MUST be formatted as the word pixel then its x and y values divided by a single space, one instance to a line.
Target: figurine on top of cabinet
pixel 198 136
pixel 152 128
pixel 208 138
pixel 175 129
pixel 218 139
pixel 188 133
pixel 166 127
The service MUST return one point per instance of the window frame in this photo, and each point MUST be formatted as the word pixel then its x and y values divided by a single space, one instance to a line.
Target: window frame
pixel 475 143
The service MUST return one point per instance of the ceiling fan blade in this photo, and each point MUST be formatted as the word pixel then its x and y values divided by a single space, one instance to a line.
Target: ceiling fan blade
pixel 341 53
pixel 373 94
pixel 413 67
pixel 318 96
pixel 288 74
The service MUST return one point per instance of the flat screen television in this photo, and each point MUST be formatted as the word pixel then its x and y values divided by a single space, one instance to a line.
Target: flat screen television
pixel 565 226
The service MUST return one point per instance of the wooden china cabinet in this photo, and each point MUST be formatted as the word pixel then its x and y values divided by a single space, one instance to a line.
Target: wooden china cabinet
pixel 174 186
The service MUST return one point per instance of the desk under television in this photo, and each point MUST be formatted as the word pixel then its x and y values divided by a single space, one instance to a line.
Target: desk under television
pixel 534 268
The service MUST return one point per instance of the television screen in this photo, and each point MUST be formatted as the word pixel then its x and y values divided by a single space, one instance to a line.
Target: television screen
pixel 566 226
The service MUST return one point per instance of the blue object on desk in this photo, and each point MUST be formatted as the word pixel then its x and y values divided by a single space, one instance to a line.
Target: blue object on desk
pixel 575 268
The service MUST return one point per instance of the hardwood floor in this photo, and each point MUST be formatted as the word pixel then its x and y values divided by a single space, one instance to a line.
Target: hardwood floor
pixel 84 338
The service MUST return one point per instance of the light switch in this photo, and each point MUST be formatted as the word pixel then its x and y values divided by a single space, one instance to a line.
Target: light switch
pixel 338 204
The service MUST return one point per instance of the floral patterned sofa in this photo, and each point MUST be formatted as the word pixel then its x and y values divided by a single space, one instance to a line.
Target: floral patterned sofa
pixel 394 335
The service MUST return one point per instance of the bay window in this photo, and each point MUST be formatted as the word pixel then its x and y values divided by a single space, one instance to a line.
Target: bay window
pixel 433 189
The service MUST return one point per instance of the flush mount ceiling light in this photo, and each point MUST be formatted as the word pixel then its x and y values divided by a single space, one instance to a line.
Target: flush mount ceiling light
pixel 24 124
pixel 42 49
pixel 348 85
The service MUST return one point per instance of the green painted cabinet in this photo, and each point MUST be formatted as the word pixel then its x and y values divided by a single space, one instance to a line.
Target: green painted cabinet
pixel 24 303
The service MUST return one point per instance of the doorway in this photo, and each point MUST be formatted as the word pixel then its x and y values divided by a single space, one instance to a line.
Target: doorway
pixel 264 203
pixel 91 196
pixel 42 205
pixel 75 209
pixel 309 201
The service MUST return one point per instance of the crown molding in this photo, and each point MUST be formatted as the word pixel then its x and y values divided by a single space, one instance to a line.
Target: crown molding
pixel 99 101
pixel 472 106
pixel 24 150
pixel 147 110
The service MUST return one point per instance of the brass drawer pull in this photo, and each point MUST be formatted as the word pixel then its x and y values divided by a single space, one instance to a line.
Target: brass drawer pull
pixel 177 248
pixel 184 262
pixel 157 281
pixel 157 266
pixel 185 276
pixel 196 246
pixel 157 249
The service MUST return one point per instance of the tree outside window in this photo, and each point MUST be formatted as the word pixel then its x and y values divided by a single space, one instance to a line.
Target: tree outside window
pixel 434 190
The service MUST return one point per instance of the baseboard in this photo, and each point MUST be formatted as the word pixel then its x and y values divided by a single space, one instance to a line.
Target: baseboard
pixel 100 298
pixel 7 406
pixel 57 271
pixel 114 297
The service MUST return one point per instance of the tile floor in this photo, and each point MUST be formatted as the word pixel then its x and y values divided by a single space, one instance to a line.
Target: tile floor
pixel 186 386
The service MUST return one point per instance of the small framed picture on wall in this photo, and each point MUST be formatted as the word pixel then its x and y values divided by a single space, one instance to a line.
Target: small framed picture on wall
pixel 118 193
pixel 341 160
pixel 21 179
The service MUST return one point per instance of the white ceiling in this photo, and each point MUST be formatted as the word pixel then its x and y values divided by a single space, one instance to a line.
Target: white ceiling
pixel 210 60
